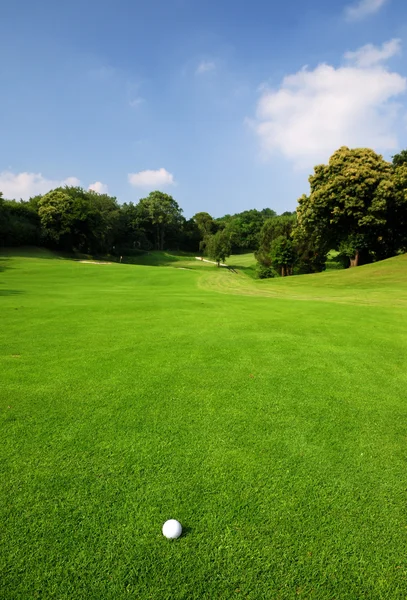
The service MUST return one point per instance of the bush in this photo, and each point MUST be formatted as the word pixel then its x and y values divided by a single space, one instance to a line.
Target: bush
pixel 263 272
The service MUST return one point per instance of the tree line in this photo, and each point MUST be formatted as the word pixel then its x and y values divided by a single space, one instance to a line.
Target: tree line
pixel 357 205
pixel 72 219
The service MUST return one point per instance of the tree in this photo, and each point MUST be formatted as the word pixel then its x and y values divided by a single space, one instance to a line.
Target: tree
pixel 133 231
pixel 349 203
pixel 272 229
pixel 394 239
pixel 190 238
pixel 244 228
pixel 283 255
pixel 400 158
pixel 219 246
pixel 102 221
pixel 206 226
pixel 205 223
pixel 76 219
pixel 55 210
pixel 299 254
pixel 163 212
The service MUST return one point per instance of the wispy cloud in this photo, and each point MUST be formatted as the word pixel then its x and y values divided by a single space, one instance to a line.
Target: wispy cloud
pixel 150 178
pixel 314 112
pixel 25 185
pixel 99 187
pixel 136 102
pixel 363 8
pixel 102 73
pixel 370 55
pixel 205 66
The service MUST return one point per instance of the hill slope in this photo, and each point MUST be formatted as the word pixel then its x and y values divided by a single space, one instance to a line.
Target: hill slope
pixel 384 282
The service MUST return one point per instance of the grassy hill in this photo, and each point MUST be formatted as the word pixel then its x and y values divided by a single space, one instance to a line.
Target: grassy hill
pixel 269 417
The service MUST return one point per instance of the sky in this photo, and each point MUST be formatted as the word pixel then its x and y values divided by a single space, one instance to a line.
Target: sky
pixel 227 105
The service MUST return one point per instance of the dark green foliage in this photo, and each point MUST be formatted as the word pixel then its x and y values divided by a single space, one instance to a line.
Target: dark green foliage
pixel 263 272
pixel 219 246
pixel 311 255
pixel 298 255
pixel 191 236
pixel 244 228
pixel 206 226
pixel 400 158
pixel 80 220
pixel 283 255
pixel 134 230
pixel 272 229
pixel 357 205
pixel 205 223
pixel 19 224
pixel 163 212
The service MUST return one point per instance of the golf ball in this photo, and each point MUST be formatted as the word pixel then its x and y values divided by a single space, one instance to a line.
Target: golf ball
pixel 172 529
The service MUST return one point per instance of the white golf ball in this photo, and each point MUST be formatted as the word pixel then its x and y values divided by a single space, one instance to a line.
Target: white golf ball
pixel 172 529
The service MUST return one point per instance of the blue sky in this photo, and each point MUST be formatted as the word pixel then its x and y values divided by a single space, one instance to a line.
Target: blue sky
pixel 225 105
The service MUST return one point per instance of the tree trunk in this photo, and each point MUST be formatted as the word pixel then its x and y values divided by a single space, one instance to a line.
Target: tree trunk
pixel 282 271
pixel 162 238
pixel 354 262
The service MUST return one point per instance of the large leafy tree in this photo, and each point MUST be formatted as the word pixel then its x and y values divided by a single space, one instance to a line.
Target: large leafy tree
pixel 76 219
pixel 205 223
pixel 349 204
pixel 102 221
pixel 272 229
pixel 134 229
pixel 19 223
pixel 206 227
pixel 163 212
pixel 283 255
pixel 244 228
pixel 56 212
pixel 190 238
pixel 283 250
pixel 219 246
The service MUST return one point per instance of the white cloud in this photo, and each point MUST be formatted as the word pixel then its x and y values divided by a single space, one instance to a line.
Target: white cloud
pixel 24 185
pixel 99 187
pixel 205 66
pixel 315 112
pixel 370 55
pixel 160 177
pixel 363 8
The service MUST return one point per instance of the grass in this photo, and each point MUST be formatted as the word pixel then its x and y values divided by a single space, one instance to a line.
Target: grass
pixel 245 263
pixel 270 418
pixel 332 261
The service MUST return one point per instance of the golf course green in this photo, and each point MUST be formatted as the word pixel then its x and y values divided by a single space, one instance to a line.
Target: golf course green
pixel 269 417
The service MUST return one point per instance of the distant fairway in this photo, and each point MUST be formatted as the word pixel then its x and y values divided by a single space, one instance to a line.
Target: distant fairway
pixel 269 417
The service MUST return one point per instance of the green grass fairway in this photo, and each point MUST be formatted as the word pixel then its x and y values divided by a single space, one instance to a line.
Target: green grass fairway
pixel 269 417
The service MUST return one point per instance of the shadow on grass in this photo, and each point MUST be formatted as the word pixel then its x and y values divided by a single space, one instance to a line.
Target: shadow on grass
pixel 186 530
pixel 27 252
pixel 250 271
pixel 4 264
pixel 10 292
pixel 152 258
pixel 158 258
